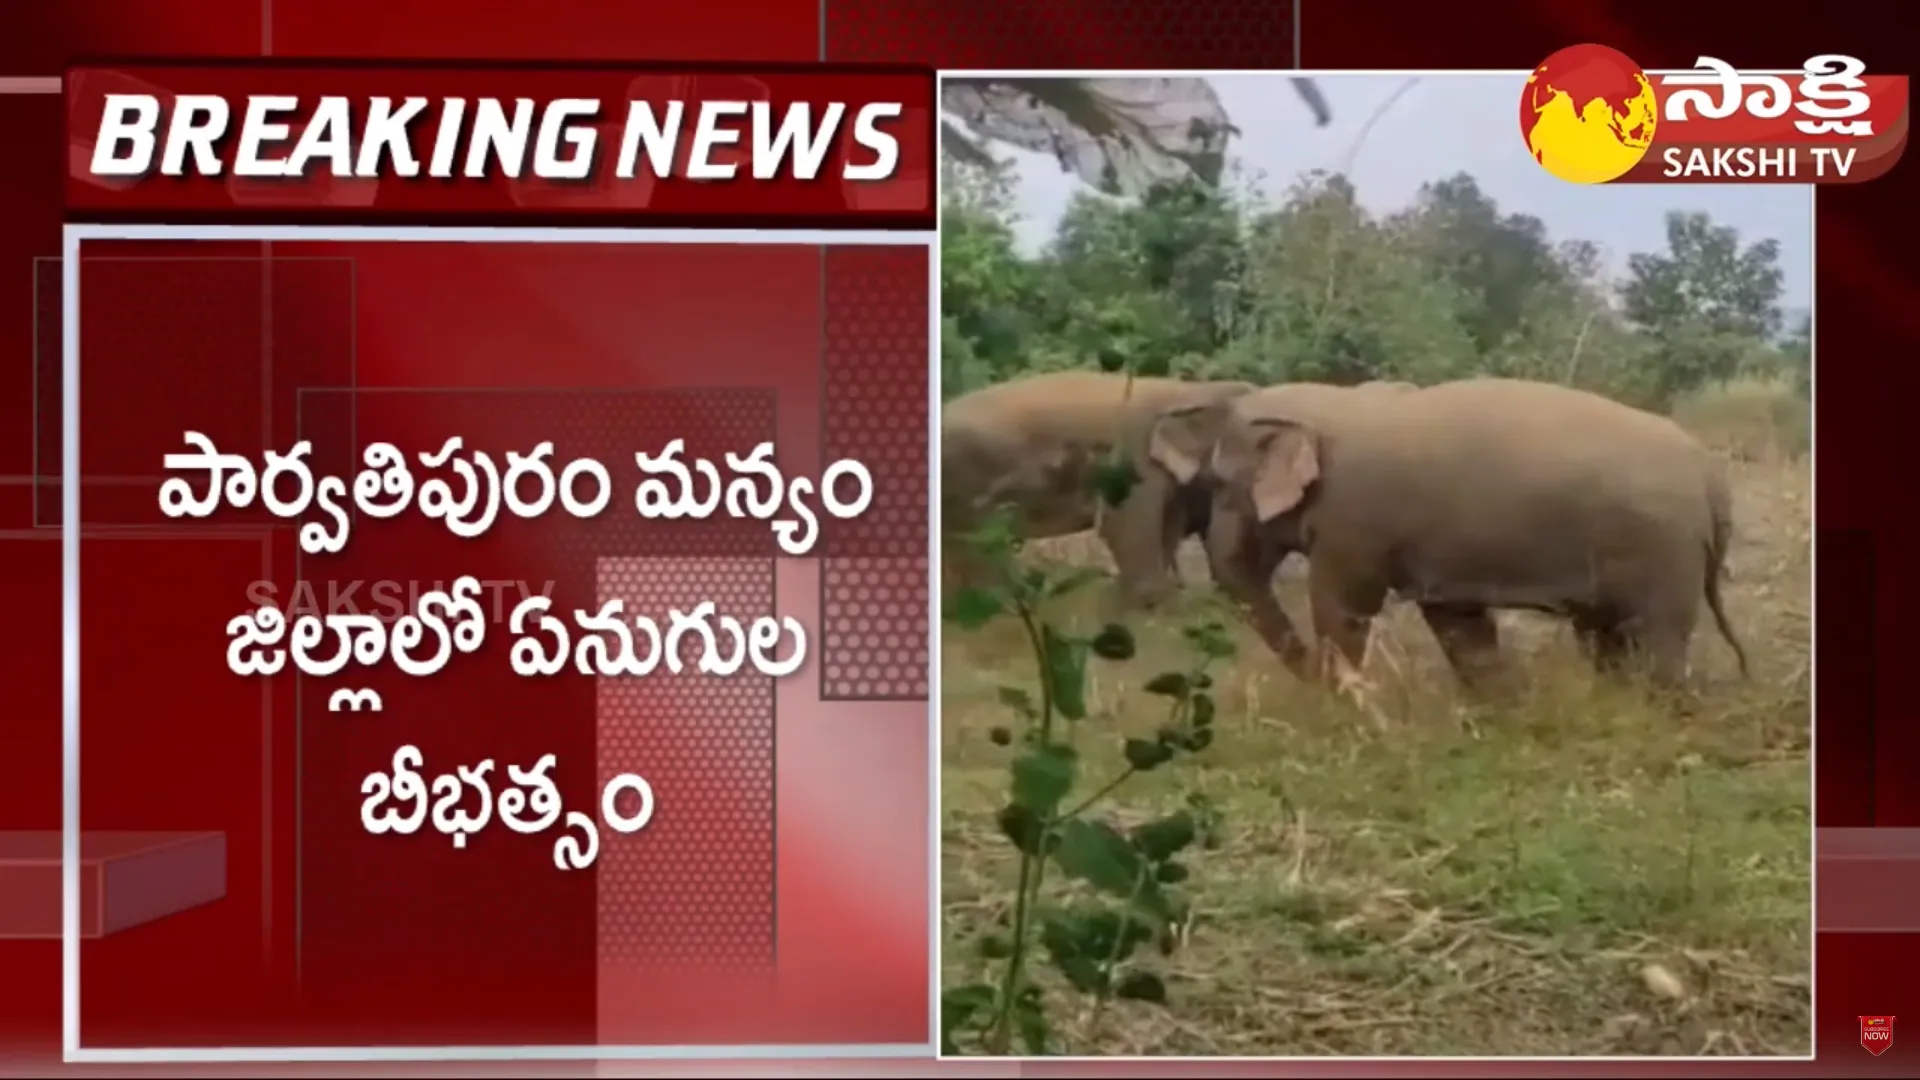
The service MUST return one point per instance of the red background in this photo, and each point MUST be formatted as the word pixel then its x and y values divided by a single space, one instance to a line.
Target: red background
pixel 1868 239
pixel 330 936
pixel 906 199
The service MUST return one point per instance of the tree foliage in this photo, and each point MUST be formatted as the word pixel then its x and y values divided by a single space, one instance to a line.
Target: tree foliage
pixel 1198 278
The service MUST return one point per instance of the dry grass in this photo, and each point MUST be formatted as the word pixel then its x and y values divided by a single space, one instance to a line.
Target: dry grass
pixel 1749 419
pixel 1574 873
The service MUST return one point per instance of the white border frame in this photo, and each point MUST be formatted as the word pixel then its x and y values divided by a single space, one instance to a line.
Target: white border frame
pixel 1813 772
pixel 72 236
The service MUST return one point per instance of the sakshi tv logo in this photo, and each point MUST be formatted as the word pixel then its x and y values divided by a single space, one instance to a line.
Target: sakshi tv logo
pixel 1590 115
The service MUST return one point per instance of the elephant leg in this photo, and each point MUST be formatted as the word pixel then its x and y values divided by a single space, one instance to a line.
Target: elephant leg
pixel 1604 641
pixel 1243 566
pixel 1173 532
pixel 1189 513
pixel 1655 647
pixel 1343 609
pixel 1470 638
pixel 1134 532
pixel 1664 638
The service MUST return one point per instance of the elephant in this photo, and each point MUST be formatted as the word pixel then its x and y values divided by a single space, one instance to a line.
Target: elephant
pixel 1243 558
pixel 1465 497
pixel 1033 444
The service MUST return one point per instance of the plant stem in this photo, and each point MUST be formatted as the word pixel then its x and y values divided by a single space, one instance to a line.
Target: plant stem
pixel 1105 995
pixel 1033 865
pixel 1082 806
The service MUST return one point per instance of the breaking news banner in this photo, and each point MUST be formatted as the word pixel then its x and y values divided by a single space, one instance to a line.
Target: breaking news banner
pixel 1590 115
pixel 477 564
pixel 389 143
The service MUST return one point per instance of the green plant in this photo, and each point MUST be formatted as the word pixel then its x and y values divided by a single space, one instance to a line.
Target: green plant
pixel 1132 876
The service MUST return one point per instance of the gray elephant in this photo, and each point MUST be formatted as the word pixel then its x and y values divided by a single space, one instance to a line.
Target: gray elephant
pixel 1033 444
pixel 1465 497
pixel 1242 557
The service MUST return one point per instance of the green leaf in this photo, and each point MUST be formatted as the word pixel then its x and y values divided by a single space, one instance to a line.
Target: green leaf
pixel 1074 580
pixel 1208 818
pixel 1114 642
pixel 1066 673
pixel 1114 480
pixel 1163 838
pixel 1145 755
pixel 995 947
pixel 1172 873
pixel 1211 640
pixel 1171 684
pixel 1042 777
pixel 1141 986
pixel 959 1005
pixel 1097 933
pixel 1083 973
pixel 1203 710
pixel 973 607
pixel 1078 945
pixel 994 536
pixel 1030 1020
pixel 1112 359
pixel 1199 739
pixel 1022 826
pixel 1019 700
pixel 1095 853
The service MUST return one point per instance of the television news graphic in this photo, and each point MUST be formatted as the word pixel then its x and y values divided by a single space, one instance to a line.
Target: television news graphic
pixel 608 643
pixel 1589 114
pixel 1876 1034
pixel 126 879
pixel 507 700
pixel 391 144
pixel 585 835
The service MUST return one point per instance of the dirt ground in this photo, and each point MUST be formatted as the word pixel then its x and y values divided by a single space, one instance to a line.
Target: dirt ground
pixel 1573 872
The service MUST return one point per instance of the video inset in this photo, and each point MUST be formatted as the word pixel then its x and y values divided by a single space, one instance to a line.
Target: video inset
pixel 1376 579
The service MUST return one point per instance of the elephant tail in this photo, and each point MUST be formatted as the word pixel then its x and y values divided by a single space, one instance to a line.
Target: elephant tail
pixel 1716 563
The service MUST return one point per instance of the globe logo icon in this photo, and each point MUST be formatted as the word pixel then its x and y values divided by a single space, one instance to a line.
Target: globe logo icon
pixel 1588 114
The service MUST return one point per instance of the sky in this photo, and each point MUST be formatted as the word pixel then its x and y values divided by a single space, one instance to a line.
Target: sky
pixel 1445 124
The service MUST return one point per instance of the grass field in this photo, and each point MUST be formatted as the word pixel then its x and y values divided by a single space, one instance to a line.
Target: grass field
pixel 1571 873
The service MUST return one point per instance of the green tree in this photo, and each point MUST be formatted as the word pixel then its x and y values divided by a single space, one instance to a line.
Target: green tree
pixel 1197 277
pixel 1706 280
pixel 987 296
pixel 1332 295
pixel 1153 281
pixel 1497 261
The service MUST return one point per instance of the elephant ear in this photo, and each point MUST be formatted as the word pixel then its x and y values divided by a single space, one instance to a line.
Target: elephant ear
pixel 1183 436
pixel 1287 459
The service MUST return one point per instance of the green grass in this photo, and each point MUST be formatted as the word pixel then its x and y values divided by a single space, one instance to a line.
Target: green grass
pixel 1453 877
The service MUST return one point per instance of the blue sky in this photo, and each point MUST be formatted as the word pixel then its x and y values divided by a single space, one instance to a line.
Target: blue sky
pixel 1445 124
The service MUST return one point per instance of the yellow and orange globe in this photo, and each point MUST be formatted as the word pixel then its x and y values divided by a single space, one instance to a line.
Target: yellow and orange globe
pixel 1588 114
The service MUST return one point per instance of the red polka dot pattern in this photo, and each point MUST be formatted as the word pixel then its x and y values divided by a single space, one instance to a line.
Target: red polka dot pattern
pixel 873 579
pixel 694 888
